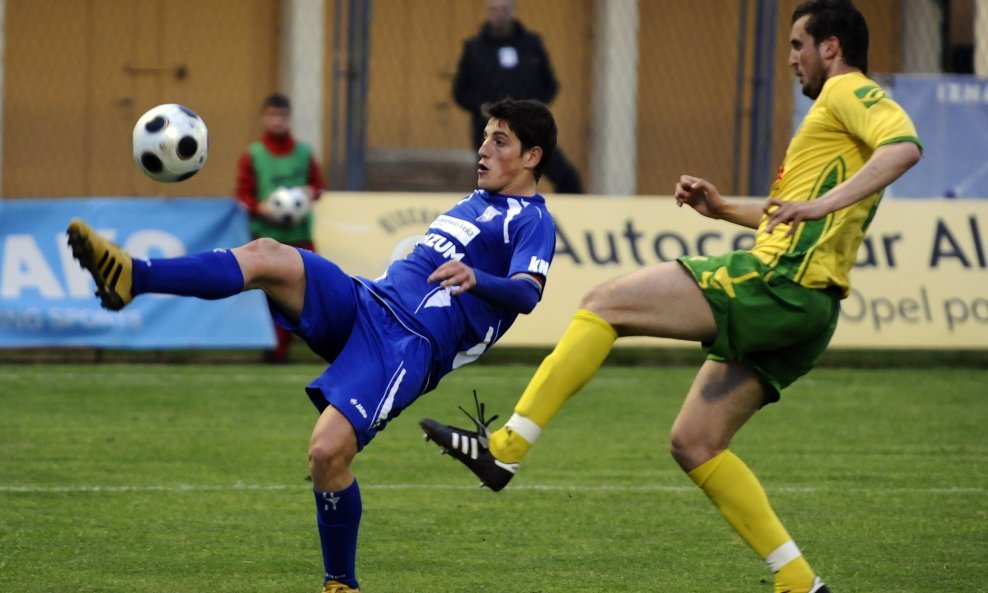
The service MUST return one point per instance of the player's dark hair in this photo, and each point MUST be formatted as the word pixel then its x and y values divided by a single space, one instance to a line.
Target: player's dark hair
pixel 278 101
pixel 840 19
pixel 532 122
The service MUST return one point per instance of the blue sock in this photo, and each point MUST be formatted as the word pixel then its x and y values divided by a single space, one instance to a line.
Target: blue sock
pixel 207 275
pixel 338 518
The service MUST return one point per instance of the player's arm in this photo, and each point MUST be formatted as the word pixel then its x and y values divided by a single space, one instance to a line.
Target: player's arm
pixel 316 182
pixel 246 189
pixel 886 164
pixel 520 292
pixel 702 196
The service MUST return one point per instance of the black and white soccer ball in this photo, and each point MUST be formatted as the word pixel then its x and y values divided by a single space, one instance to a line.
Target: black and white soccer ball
pixel 291 204
pixel 171 143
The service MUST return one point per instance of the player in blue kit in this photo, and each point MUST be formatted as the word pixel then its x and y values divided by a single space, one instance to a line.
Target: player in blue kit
pixel 389 340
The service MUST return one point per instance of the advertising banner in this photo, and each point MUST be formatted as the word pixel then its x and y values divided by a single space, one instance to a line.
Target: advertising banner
pixel 921 278
pixel 46 298
pixel 951 117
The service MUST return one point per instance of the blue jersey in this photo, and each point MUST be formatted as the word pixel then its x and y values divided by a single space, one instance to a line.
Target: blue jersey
pixel 392 339
pixel 498 234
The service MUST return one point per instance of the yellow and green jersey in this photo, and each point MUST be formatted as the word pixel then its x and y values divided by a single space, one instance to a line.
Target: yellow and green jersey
pixel 850 119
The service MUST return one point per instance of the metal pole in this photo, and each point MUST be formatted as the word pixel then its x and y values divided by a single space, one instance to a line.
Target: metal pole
pixel 760 168
pixel 614 134
pixel 336 163
pixel 303 52
pixel 356 124
pixel 739 96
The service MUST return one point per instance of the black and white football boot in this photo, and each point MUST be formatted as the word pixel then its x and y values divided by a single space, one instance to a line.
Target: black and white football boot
pixel 470 447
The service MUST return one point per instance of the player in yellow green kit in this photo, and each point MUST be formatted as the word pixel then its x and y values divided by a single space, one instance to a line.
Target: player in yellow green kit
pixel 763 316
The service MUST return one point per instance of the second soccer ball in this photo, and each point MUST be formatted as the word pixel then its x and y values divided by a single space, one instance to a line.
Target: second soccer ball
pixel 291 203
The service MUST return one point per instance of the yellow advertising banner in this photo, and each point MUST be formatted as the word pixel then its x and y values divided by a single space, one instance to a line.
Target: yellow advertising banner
pixel 920 281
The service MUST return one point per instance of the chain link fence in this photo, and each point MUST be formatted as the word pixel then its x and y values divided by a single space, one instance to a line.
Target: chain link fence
pixel 647 89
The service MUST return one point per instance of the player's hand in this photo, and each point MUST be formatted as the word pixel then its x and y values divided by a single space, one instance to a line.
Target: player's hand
pixel 699 194
pixel 792 213
pixel 455 276
pixel 266 211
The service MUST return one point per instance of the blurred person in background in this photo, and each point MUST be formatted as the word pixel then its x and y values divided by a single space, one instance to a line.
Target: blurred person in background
pixel 763 316
pixel 507 60
pixel 277 160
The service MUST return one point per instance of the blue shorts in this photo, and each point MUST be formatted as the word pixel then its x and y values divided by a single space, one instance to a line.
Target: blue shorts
pixel 378 366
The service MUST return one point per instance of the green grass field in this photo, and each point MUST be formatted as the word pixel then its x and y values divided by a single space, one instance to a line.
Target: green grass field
pixel 183 478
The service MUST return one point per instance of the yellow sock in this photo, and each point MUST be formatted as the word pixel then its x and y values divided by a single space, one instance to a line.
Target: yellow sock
pixel 739 496
pixel 575 359
pixel 792 578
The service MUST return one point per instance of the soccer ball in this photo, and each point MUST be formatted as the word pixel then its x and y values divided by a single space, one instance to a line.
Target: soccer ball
pixel 170 143
pixel 291 204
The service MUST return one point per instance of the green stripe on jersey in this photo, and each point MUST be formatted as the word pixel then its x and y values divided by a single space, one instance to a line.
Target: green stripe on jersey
pixel 794 262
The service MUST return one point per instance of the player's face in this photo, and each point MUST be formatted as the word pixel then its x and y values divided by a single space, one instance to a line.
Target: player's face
pixel 276 120
pixel 805 59
pixel 504 168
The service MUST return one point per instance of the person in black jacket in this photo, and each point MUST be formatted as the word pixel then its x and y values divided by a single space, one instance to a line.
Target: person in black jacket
pixel 507 60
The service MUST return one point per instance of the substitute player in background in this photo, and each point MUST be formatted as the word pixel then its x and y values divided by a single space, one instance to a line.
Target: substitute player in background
pixel 392 339
pixel 763 316
pixel 276 160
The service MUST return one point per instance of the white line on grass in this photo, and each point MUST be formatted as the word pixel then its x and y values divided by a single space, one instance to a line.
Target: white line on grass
pixel 95 489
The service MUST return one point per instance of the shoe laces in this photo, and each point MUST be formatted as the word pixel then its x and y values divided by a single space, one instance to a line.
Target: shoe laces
pixel 483 424
pixel 337 587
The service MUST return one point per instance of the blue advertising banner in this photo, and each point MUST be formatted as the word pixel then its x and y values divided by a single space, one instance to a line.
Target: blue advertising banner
pixel 951 116
pixel 47 299
pixel 950 112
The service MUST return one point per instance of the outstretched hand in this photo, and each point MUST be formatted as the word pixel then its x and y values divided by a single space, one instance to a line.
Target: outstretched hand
pixel 455 276
pixel 699 194
pixel 792 213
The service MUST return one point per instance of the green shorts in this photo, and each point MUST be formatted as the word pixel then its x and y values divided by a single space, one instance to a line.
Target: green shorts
pixel 765 320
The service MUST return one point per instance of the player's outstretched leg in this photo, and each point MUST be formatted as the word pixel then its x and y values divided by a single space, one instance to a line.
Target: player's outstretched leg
pixel 110 266
pixel 119 277
pixel 495 456
pixel 471 447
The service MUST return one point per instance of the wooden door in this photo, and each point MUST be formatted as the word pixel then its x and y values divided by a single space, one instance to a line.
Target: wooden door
pixel 78 74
